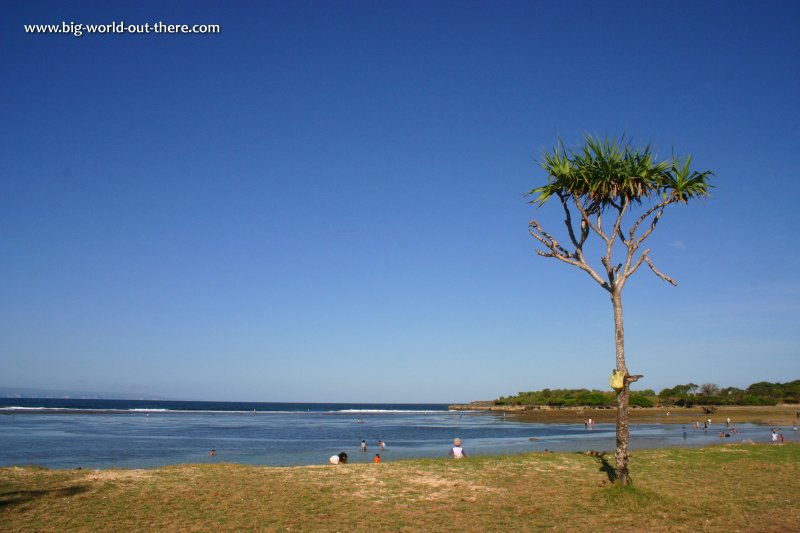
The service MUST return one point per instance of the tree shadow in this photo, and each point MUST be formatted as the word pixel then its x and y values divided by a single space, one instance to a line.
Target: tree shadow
pixel 609 470
pixel 10 498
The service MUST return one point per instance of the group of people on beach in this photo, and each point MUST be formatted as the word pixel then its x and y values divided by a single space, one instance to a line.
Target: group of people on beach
pixel 707 424
pixel 456 452
pixel 342 457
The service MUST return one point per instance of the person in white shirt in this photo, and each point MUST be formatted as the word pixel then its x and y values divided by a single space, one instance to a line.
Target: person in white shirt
pixel 457 451
pixel 338 459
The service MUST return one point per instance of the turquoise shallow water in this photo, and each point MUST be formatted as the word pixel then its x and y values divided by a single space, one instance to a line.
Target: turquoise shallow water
pixel 141 439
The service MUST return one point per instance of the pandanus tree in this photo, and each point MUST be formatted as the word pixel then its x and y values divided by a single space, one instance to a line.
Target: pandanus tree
pixel 602 186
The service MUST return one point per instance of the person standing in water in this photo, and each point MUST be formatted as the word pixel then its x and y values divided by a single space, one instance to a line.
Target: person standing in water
pixel 364 446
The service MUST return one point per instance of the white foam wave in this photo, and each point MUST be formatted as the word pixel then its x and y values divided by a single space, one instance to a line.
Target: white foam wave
pixel 386 411
pixel 16 408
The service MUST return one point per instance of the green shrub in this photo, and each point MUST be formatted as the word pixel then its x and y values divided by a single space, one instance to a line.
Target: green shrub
pixel 640 400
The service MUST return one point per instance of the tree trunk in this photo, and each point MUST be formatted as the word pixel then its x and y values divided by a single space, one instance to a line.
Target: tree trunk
pixel 623 431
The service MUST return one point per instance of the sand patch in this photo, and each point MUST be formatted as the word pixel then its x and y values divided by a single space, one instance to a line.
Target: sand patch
pixel 417 486
pixel 119 475
pixel 725 449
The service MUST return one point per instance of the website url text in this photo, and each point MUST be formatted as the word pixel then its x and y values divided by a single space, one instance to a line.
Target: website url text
pixel 77 29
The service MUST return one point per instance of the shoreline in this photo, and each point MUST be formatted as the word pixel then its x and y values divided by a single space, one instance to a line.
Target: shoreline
pixel 777 415
pixel 444 459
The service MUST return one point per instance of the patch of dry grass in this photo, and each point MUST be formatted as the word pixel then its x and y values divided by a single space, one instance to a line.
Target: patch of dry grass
pixel 724 488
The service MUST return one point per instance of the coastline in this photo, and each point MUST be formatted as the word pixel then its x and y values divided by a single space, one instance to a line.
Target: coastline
pixel 778 415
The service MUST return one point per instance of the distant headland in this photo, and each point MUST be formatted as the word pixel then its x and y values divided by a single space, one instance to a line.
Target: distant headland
pixel 19 392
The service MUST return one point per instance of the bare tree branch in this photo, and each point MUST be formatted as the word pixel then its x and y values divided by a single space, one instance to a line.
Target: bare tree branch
pixel 618 224
pixel 630 270
pixel 548 240
pixel 558 252
pixel 559 257
pixel 646 214
pixel 633 378
pixel 568 218
pixel 599 218
pixel 659 274
pixel 587 219
pixel 609 270
pixel 651 228
pixel 583 265
pixel 621 209
pixel 613 272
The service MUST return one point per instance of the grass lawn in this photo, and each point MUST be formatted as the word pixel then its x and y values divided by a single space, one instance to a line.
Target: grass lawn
pixel 721 488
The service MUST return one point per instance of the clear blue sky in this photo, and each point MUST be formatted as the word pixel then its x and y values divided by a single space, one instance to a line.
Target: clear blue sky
pixel 325 201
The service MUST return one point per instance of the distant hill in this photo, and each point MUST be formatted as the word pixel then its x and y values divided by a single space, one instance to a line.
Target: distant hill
pixel 19 392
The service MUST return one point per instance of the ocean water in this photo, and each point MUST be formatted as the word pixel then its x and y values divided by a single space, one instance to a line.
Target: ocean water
pixel 137 434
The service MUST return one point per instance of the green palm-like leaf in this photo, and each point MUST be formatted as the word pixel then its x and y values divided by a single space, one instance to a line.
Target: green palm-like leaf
pixel 610 171
pixel 683 183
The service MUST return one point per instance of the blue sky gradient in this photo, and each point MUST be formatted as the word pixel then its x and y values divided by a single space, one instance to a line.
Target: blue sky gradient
pixel 324 202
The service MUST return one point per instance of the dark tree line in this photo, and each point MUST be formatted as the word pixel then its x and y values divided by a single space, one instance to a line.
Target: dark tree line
pixel 576 398
pixel 687 395
pixel 761 393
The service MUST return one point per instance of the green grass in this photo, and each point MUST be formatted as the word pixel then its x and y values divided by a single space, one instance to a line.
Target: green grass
pixel 722 488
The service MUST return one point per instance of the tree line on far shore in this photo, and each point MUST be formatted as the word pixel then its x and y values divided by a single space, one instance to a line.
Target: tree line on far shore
pixel 687 395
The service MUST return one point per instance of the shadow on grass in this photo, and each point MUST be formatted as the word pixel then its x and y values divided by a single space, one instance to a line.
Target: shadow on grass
pixel 606 467
pixel 9 498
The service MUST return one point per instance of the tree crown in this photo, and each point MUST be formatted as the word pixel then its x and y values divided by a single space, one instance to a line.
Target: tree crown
pixel 612 175
pixel 611 172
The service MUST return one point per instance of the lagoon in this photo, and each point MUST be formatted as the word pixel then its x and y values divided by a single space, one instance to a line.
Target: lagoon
pixel 306 434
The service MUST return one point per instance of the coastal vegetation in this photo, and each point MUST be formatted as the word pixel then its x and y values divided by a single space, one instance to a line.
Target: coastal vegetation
pixel 575 398
pixel 599 186
pixel 722 488
pixel 687 395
